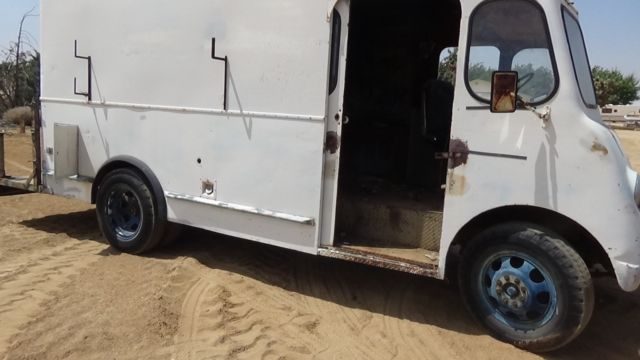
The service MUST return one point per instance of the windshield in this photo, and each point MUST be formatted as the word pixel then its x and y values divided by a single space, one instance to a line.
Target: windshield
pixel 580 59
pixel 511 35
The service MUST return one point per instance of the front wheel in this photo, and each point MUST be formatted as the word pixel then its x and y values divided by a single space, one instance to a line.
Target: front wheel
pixel 527 287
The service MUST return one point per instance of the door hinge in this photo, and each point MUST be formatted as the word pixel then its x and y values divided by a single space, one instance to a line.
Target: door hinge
pixel 458 154
pixel 332 142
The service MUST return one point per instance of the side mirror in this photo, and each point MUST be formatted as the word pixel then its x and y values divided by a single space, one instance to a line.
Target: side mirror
pixel 504 91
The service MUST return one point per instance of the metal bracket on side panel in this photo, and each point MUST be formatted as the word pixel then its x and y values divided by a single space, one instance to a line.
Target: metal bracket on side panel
pixel 87 94
pixel 242 208
pixel 226 71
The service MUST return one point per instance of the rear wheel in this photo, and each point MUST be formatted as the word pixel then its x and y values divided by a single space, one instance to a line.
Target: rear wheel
pixel 128 213
pixel 527 287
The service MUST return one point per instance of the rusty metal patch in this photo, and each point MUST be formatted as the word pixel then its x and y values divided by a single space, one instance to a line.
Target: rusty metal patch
pixel 458 153
pixel 332 143
pixel 597 147
pixel 209 188
pixel 457 185
pixel 362 257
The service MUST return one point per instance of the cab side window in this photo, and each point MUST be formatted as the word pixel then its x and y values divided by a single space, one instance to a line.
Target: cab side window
pixel 511 35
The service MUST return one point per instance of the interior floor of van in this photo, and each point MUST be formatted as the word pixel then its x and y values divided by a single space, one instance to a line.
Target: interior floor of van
pixel 391 180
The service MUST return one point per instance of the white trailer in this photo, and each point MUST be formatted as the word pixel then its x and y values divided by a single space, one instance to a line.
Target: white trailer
pixel 323 128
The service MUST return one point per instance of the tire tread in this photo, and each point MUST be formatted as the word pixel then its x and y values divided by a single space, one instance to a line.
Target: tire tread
pixel 573 268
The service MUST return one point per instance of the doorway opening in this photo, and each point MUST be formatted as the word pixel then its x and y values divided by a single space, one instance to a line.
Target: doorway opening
pixel 399 110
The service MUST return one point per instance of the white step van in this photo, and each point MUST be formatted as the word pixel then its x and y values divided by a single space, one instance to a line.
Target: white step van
pixel 331 128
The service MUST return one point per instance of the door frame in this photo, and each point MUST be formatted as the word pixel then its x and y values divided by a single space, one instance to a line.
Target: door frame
pixel 335 120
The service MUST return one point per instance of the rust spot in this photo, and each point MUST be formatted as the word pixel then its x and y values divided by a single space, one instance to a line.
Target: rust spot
pixel 332 143
pixel 458 153
pixel 597 147
pixel 387 262
pixel 457 185
pixel 208 188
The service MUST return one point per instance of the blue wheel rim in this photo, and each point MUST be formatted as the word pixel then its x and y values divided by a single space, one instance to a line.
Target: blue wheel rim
pixel 124 213
pixel 518 291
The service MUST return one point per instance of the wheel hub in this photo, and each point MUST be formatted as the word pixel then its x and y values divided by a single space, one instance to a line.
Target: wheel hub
pixel 511 291
pixel 518 291
pixel 124 212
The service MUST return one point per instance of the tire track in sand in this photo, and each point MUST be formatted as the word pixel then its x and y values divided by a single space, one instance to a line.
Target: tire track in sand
pixel 19 264
pixel 214 317
pixel 188 328
pixel 27 281
pixel 228 315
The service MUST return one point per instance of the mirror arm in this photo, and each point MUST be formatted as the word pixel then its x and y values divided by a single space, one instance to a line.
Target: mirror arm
pixel 545 116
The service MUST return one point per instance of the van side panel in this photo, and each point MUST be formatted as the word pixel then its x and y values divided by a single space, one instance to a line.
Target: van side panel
pixel 158 96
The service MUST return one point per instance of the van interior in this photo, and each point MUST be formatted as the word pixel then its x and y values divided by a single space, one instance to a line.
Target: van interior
pixel 391 193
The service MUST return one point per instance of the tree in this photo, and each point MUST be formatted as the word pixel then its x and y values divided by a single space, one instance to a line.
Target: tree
pixel 27 75
pixel 541 84
pixel 447 70
pixel 612 87
pixel 20 71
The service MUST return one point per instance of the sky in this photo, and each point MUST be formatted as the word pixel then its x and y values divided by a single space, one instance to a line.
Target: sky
pixel 610 28
pixel 11 12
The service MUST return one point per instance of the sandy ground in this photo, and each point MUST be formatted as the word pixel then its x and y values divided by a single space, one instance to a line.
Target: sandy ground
pixel 64 294
pixel 18 153
pixel 631 143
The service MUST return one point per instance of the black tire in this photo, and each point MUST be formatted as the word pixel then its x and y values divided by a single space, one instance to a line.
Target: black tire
pixel 526 287
pixel 128 212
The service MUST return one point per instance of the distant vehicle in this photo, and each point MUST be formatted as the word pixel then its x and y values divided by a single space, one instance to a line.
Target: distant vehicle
pixel 621 116
pixel 323 128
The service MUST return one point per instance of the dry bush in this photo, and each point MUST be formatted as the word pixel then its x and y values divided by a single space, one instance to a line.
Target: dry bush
pixel 21 116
